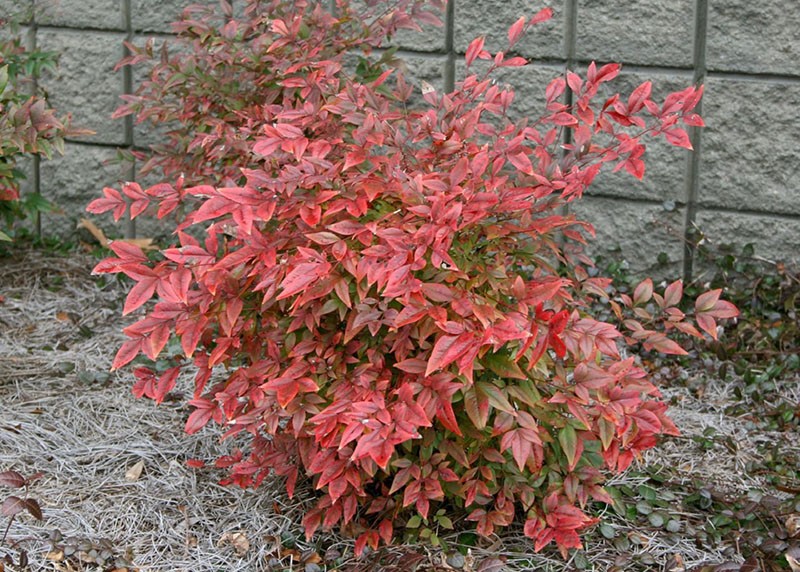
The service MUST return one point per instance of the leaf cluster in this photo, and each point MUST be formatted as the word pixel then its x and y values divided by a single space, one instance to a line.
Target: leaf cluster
pixel 14 505
pixel 28 126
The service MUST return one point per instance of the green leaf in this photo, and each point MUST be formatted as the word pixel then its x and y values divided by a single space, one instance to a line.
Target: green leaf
pixel 569 443
pixel 414 521
pixel 476 404
pixel 4 236
pixel 656 519
pixel 3 79
pixel 526 392
pixel 647 493
pixel 497 398
pixel 674 525
pixel 503 366
pixel 607 531
pixel 445 522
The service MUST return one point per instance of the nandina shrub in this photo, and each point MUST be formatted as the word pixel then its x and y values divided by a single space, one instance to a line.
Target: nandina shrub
pixel 396 309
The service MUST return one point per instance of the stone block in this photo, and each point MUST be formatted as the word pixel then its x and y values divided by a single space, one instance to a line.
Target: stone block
pixel 666 165
pixel 758 37
pixel 157 15
pixel 429 39
pixel 72 181
pixel 750 159
pixel 636 232
pixel 774 238
pixel 492 18
pixel 647 32
pixel 85 83
pixel 94 14
pixel 16 10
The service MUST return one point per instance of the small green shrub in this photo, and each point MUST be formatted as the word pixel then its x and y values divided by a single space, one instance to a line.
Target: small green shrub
pixel 28 125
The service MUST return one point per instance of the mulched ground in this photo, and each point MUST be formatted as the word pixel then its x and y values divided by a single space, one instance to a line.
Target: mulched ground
pixel 116 492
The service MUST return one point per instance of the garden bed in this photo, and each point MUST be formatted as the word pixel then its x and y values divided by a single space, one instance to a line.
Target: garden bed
pixel 116 492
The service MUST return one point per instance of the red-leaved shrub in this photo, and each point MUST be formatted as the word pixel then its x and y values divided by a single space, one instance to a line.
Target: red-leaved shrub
pixel 28 125
pixel 396 308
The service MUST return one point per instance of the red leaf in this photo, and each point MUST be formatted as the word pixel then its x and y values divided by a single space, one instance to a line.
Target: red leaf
pixel 643 292
pixel 706 300
pixel 665 345
pixel 607 73
pixel 638 97
pixel 522 162
pixel 141 292
pixel 447 350
pixel 412 365
pixel 437 292
pixel 475 47
pixel 385 529
pixel 564 119
pixel 33 508
pixel 693 120
pixel 198 419
pixel 635 167
pixel 300 277
pixel 555 88
pixel 516 30
pixel 12 505
pixel 515 62
pixel 311 522
pixel 679 138
pixel 707 324
pixel 129 350
pixel 12 479
pixel 127 251
pixel 542 15
pixel 166 383
pixel 673 294
pixel 476 404
pixel 543 291
pixel 723 309
pixel 112 201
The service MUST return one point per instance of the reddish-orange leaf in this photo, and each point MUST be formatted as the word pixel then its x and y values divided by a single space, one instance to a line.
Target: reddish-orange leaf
pixel 447 350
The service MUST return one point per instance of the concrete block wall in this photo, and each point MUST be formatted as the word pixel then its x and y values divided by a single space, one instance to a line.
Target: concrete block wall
pixel 741 185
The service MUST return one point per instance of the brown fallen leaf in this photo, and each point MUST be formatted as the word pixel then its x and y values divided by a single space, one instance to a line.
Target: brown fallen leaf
pixel 135 471
pixel 310 557
pixel 675 564
pixel 491 565
pixel 793 525
pixel 100 236
pixel 238 540
pixel 793 558
pixel 55 555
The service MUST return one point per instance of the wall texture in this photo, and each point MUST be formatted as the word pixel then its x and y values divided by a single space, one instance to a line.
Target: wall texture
pixel 741 185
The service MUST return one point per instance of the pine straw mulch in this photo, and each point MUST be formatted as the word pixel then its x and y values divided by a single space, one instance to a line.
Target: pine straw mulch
pixel 116 492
